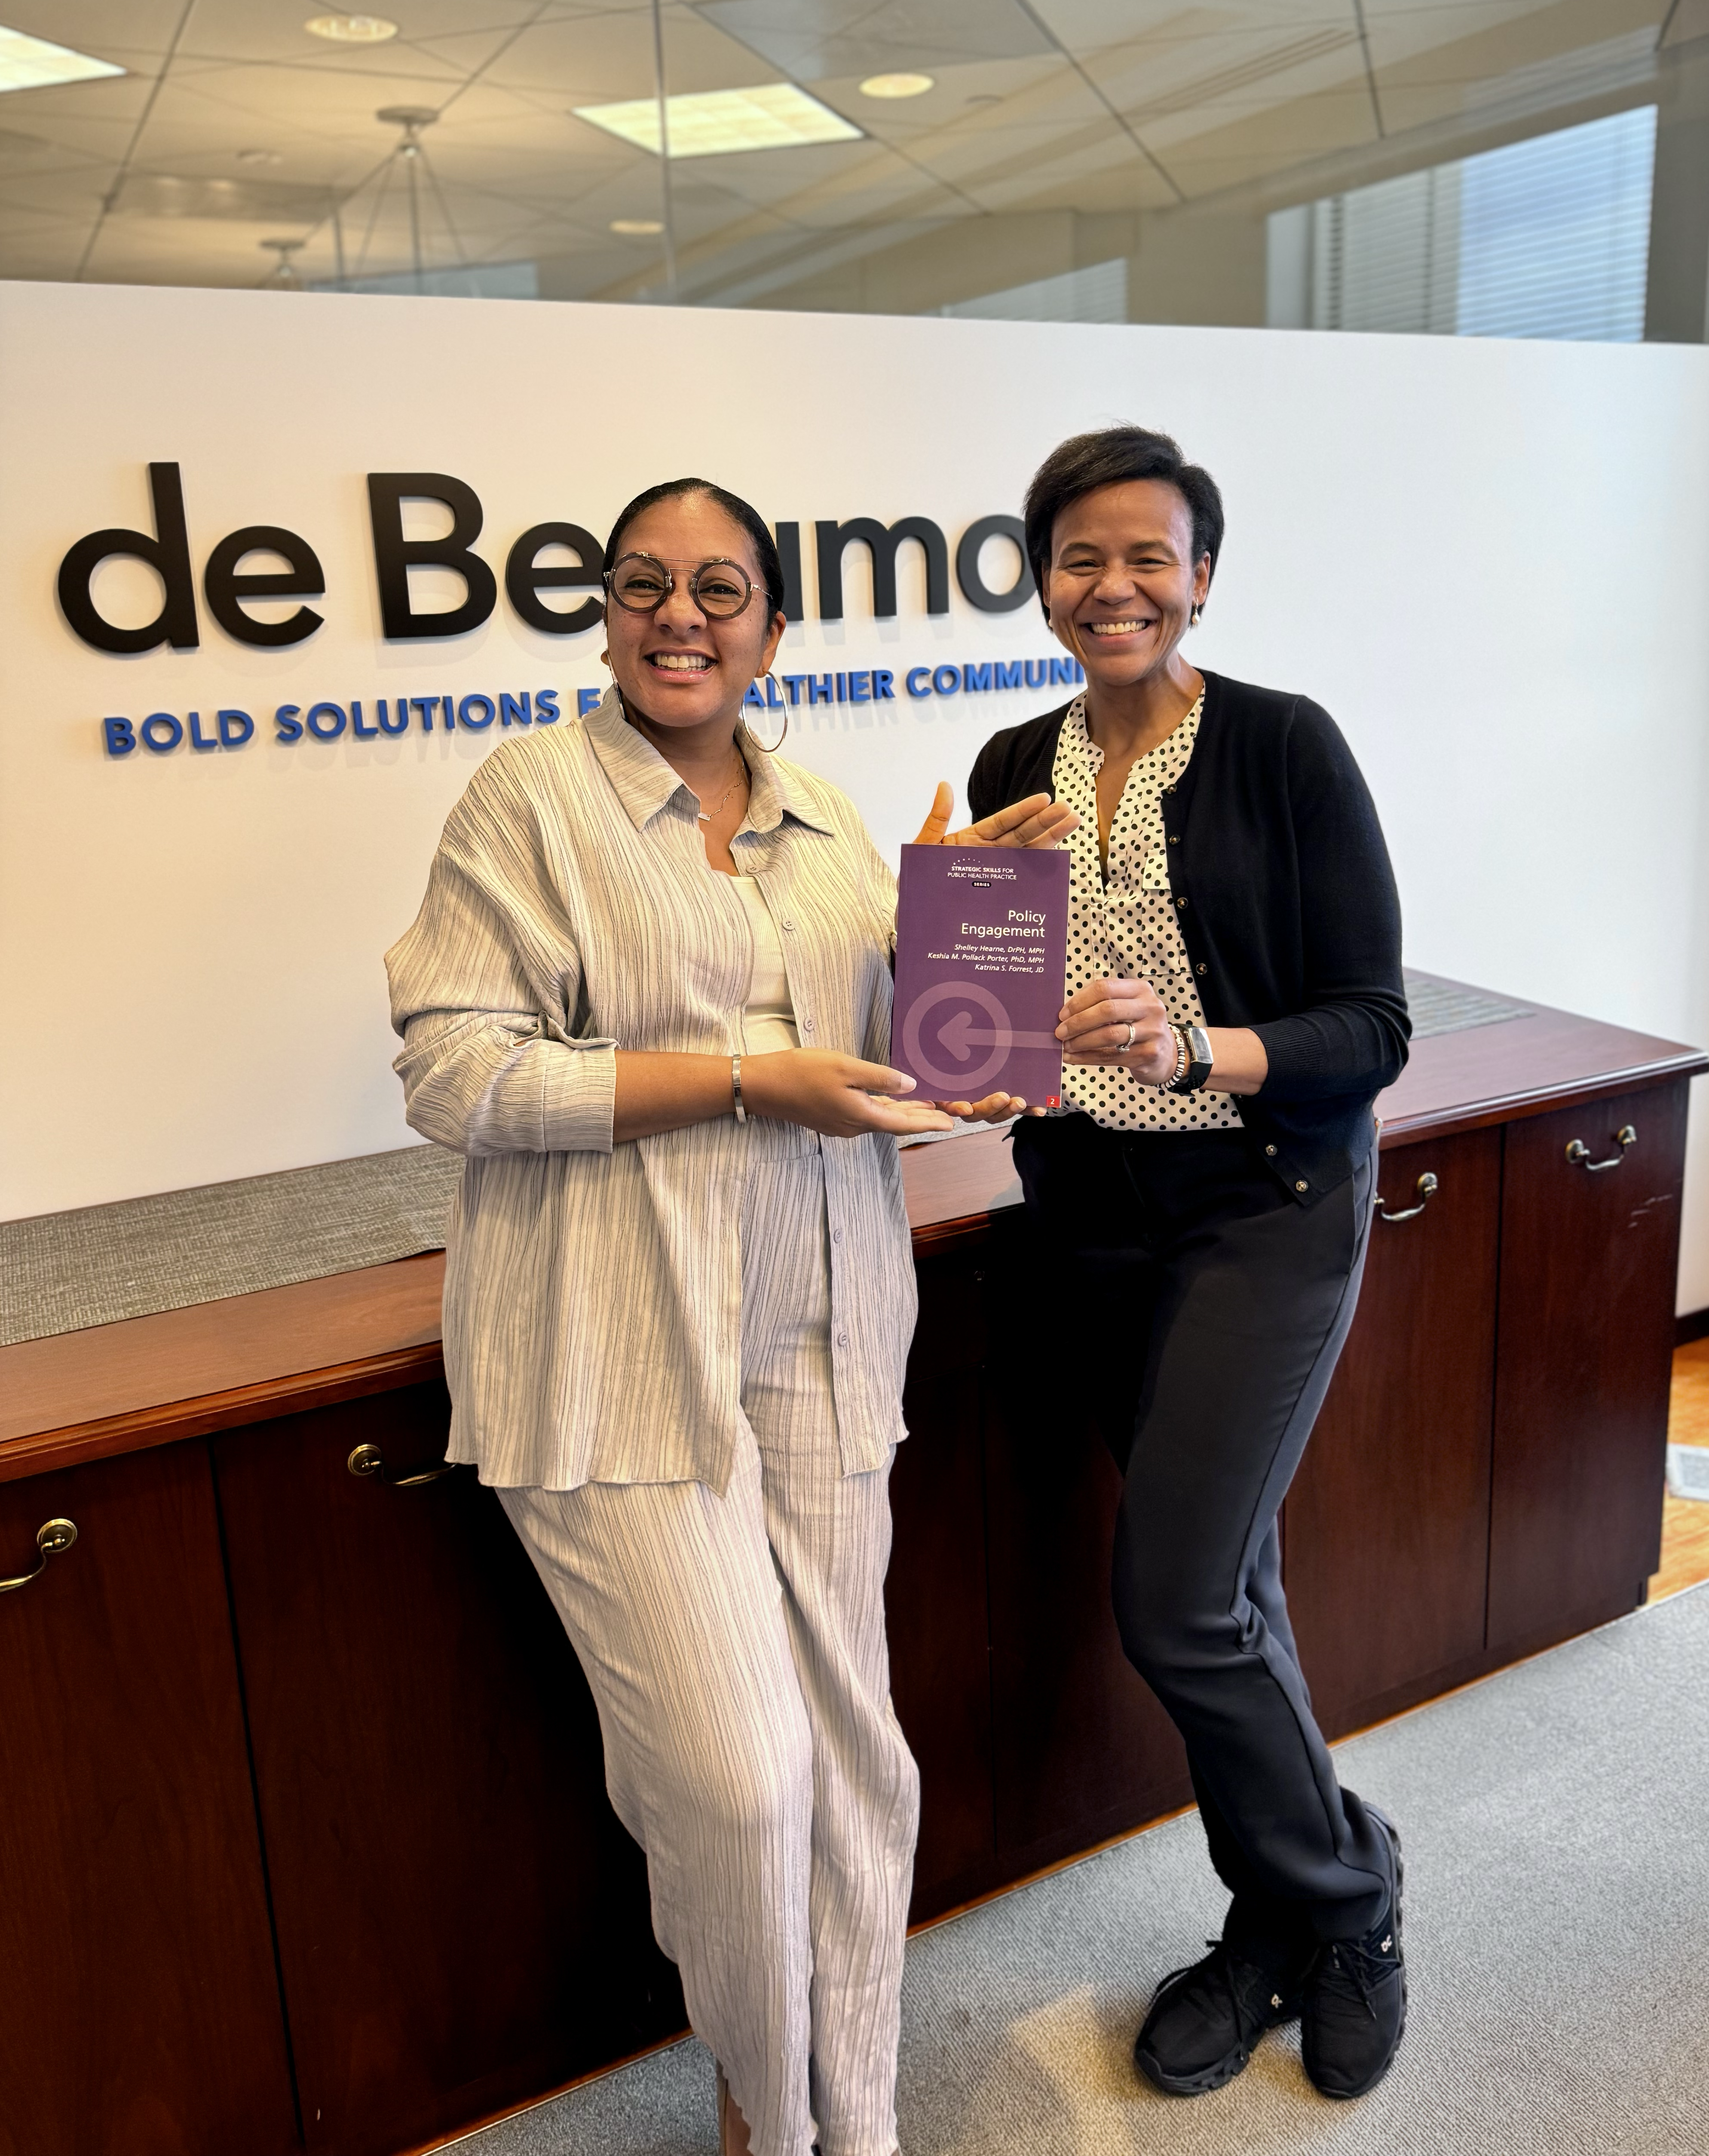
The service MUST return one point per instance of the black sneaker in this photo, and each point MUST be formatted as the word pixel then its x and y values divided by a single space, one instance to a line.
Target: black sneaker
pixel 1354 2007
pixel 1205 2020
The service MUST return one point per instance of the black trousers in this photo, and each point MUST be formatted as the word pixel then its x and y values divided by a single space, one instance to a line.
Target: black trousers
pixel 1203 1312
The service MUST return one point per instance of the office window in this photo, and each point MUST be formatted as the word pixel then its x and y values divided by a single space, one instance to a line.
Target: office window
pixel 1548 238
pixel 1097 293
pixel 474 281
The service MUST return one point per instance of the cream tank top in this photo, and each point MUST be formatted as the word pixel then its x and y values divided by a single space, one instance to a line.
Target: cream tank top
pixel 768 1016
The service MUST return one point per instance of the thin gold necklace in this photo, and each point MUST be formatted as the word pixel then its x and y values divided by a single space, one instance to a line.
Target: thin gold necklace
pixel 707 815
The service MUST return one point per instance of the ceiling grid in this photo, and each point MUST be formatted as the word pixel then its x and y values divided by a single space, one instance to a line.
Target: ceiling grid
pixel 232 130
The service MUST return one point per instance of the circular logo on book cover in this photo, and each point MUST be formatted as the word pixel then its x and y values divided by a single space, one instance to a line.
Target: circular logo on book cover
pixel 943 1029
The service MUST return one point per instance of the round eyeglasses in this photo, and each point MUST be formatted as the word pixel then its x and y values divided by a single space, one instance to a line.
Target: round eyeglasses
pixel 640 583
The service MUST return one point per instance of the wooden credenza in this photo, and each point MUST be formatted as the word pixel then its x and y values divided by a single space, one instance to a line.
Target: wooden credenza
pixel 304 1842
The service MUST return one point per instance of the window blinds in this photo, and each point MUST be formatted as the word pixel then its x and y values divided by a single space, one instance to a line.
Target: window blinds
pixel 1548 238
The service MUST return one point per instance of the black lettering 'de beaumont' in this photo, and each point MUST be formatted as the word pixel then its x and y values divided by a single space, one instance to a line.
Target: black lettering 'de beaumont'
pixel 228 587
pixel 395 556
pixel 225 588
pixel 881 542
pixel 974 588
pixel 526 578
pixel 167 550
pixel 225 583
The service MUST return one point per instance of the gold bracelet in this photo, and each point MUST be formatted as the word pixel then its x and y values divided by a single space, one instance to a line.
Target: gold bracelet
pixel 1179 1071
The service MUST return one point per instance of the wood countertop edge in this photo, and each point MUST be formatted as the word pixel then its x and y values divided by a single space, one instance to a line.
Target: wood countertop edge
pixel 167 1422
pixel 43 1451
pixel 1541 1100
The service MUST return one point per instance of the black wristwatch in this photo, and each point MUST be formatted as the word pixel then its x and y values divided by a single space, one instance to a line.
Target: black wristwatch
pixel 1198 1061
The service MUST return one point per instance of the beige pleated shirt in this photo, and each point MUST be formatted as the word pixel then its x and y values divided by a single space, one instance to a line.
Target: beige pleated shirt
pixel 593 1289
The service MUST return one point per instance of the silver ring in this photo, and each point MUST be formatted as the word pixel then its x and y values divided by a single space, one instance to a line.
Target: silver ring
pixel 1128 1043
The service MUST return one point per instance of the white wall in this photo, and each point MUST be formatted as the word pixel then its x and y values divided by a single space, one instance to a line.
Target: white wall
pixel 1487 559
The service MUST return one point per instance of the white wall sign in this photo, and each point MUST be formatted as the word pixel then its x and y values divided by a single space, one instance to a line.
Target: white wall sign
pixel 1485 559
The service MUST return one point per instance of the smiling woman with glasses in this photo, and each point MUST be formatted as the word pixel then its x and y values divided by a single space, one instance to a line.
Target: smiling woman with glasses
pixel 1233 1004
pixel 648 997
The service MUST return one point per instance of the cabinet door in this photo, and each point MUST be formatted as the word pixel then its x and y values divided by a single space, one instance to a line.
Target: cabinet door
pixel 462 1921
pixel 1081 1748
pixel 139 2009
pixel 1588 1261
pixel 1387 1529
pixel 935 1598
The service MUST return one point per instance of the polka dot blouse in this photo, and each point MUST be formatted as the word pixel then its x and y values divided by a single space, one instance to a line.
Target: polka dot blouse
pixel 1125 925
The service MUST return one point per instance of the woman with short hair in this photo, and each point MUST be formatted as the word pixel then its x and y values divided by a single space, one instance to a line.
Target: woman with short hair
pixel 648 996
pixel 1233 1005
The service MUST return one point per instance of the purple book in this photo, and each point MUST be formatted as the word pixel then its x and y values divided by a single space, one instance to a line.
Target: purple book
pixel 981 947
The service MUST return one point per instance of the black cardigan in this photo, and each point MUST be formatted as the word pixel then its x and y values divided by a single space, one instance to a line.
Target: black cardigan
pixel 1287 905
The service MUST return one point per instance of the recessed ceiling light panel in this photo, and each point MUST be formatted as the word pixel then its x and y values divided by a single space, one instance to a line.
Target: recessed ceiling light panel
pixel 897 85
pixel 710 123
pixel 34 64
pixel 351 29
pixel 637 228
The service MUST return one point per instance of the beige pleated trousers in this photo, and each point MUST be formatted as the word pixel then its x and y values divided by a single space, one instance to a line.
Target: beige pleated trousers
pixel 735 1646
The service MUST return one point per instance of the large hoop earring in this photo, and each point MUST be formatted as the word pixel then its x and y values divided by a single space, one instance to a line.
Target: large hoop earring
pixel 771 748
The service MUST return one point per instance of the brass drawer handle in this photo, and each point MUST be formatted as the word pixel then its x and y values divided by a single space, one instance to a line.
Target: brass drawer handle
pixel 1579 1154
pixel 367 1460
pixel 1427 1186
pixel 52 1537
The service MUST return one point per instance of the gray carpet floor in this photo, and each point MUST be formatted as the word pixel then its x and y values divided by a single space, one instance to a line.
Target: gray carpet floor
pixel 1556 1820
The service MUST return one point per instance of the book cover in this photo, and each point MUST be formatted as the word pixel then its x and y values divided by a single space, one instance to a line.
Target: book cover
pixel 981 947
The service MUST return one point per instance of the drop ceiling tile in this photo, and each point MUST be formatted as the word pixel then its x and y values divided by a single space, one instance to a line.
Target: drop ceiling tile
pixel 1037 138
pixel 811 40
pixel 1438 87
pixel 599 59
pixel 1197 88
pixel 1397 28
pixel 98 27
pixel 1260 145
pixel 980 95
pixel 771 179
pixel 32 154
pixel 1095 153
pixel 1047 98
pixel 1091 28
pixel 608 58
pixel 300 73
pixel 485 120
pixel 273 30
pixel 77 196
pixel 855 182
pixel 1552 52
pixel 73 114
pixel 235 107
pixel 222 196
